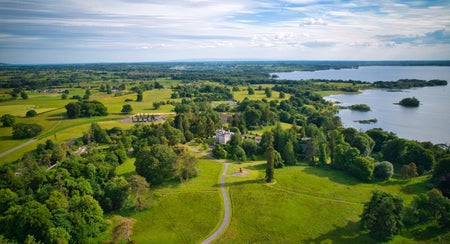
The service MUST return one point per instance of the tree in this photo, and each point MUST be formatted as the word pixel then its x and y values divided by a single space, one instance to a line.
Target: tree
pixel 250 91
pixel 156 163
pixel 250 147
pixel 409 171
pixel 32 218
pixel 126 109
pixel 73 110
pixel 323 154
pixel 361 168
pixel 383 170
pixel 444 185
pixel 8 120
pixel 363 143
pixel 23 95
pixel 268 92
pixel 21 131
pixel 123 231
pixel 139 97
pixel 31 113
pixel 410 102
pixel 441 169
pixel 382 216
pixel 288 154
pixel 86 217
pixel 116 193
pixel 138 186
pixel 219 152
pixel 186 163
pixel 282 95
pixel 270 155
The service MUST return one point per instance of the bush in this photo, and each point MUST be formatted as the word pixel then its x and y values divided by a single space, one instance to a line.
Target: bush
pixel 31 113
pixel 8 120
pixel 21 130
pixel 383 170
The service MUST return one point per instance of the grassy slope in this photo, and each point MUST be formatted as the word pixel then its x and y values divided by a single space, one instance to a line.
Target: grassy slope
pixel 306 204
pixel 179 212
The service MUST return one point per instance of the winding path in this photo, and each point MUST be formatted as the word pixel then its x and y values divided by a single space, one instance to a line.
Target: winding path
pixel 226 203
pixel 18 147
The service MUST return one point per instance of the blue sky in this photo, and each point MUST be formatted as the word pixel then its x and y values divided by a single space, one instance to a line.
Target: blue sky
pixel 78 31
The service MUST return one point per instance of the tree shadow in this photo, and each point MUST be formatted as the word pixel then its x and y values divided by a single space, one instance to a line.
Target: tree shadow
pixel 333 175
pixel 238 183
pixel 350 233
pixel 417 188
pixel 427 233
pixel 4 138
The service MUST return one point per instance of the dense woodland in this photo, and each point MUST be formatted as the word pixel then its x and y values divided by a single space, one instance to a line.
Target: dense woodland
pixel 60 193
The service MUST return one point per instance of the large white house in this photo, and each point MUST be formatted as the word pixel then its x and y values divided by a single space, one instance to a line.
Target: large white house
pixel 223 136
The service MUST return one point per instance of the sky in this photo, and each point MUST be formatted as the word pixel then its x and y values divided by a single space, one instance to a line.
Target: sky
pixel 86 31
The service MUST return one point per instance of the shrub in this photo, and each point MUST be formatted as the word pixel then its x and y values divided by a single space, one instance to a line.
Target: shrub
pixel 21 130
pixel 31 113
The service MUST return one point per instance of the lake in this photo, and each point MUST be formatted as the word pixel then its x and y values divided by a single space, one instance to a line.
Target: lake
pixel 429 122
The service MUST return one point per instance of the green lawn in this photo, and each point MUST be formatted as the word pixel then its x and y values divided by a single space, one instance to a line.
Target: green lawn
pixel 179 212
pixel 306 204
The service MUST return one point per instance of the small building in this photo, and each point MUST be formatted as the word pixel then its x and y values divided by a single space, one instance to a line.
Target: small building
pixel 223 136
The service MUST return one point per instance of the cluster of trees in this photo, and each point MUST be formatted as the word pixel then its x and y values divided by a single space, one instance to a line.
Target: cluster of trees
pixel 85 109
pixel 385 215
pixel 410 102
pixel 21 130
pixel 65 203
pixel 360 107
pixel 202 92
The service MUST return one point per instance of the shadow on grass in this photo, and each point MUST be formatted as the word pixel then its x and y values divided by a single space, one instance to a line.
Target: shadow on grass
pixel 238 183
pixel 417 188
pixel 333 175
pixel 4 138
pixel 350 233
pixel 426 232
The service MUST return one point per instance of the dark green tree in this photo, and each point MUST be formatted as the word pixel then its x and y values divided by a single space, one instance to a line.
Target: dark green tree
pixel 250 90
pixel 31 113
pixel 156 163
pixel 126 109
pixel 21 131
pixel 8 120
pixel 116 193
pixel 270 155
pixel 382 216
pixel 24 95
pixel 140 96
pixel 268 92
pixel 441 169
pixel 73 110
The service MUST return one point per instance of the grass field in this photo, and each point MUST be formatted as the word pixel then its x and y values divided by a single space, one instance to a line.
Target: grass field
pixel 305 205
pixel 179 212
pixel 51 116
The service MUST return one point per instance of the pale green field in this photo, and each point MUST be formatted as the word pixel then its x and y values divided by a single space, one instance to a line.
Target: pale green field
pixel 51 116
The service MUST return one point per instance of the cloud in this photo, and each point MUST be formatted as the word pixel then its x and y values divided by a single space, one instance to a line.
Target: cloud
pixel 184 29
pixel 430 38
pixel 313 21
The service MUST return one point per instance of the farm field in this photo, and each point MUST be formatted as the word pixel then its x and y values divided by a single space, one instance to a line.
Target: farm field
pixel 51 116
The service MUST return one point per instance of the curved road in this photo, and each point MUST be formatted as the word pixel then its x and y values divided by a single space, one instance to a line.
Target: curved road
pixel 226 203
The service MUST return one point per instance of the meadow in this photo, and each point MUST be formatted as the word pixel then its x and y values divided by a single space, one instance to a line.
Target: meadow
pixel 305 204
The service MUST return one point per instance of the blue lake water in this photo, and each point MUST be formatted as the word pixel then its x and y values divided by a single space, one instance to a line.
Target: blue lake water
pixel 429 122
